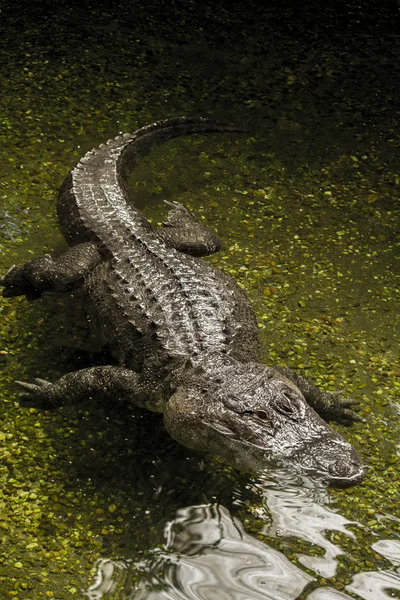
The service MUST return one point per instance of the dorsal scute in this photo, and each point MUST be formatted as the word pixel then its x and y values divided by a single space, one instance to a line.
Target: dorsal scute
pixel 188 306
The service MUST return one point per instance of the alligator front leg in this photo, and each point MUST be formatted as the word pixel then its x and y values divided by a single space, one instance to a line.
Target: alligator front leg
pixel 183 232
pixel 328 405
pixel 108 383
pixel 46 273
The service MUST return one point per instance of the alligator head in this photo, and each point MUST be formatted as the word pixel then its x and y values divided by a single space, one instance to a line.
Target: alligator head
pixel 255 419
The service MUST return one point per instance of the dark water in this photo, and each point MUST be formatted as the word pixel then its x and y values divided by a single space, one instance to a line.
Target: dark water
pixel 97 503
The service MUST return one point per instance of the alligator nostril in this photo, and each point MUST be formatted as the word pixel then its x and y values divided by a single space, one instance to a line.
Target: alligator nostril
pixel 341 468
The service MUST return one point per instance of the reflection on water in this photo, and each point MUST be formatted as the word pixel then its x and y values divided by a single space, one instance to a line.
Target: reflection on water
pixel 327 593
pixel 301 511
pixel 111 574
pixel 375 585
pixel 390 549
pixel 208 556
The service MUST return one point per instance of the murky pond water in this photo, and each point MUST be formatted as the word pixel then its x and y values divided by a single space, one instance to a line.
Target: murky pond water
pixel 97 503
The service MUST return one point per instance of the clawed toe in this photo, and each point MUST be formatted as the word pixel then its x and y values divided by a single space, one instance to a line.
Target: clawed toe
pixel 34 387
pixel 350 402
pixel 42 382
pixel 31 387
pixel 341 410
pixel 3 280
pixel 347 415
pixel 34 394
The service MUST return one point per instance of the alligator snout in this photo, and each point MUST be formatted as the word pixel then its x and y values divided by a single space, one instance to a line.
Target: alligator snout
pixel 345 473
pixel 335 460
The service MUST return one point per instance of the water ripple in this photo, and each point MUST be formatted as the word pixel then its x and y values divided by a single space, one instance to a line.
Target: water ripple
pixel 390 549
pixel 301 511
pixel 299 508
pixel 327 593
pixel 208 556
pixel 375 585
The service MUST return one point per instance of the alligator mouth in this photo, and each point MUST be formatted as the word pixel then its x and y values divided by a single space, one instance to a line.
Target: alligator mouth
pixel 345 482
pixel 330 459
pixel 340 481
pixel 334 460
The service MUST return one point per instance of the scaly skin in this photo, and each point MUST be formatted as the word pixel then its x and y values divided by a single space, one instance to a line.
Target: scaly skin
pixel 182 333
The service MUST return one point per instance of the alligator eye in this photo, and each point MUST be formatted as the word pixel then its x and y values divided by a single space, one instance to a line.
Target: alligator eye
pixel 288 404
pixel 285 404
pixel 261 414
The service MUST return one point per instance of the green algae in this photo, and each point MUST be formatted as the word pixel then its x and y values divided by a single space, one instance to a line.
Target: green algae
pixel 305 204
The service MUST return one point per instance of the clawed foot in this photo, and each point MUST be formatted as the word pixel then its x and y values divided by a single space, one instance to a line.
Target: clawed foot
pixel 341 410
pixel 37 395
pixel 16 283
pixel 178 215
pixel 9 282
pixel 186 234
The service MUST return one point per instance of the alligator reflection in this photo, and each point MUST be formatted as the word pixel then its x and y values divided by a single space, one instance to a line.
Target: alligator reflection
pixel 302 511
pixel 208 556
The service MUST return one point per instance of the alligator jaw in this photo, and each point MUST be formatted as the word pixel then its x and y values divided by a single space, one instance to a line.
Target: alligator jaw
pixel 338 472
pixel 349 481
pixel 333 459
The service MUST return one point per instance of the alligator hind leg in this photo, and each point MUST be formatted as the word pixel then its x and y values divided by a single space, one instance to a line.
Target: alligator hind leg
pixel 328 405
pixel 108 382
pixel 46 273
pixel 183 232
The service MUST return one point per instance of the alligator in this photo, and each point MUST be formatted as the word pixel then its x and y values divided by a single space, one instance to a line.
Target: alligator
pixel 182 334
